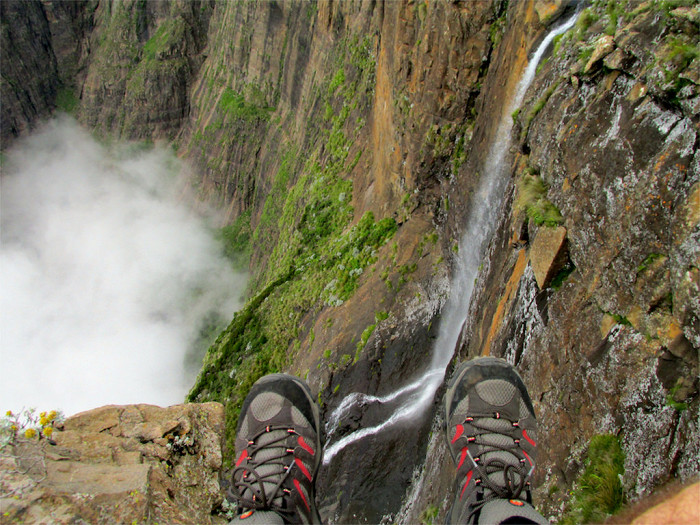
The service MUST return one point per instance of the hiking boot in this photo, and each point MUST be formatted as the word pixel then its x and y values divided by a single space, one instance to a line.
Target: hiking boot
pixel 278 453
pixel 491 435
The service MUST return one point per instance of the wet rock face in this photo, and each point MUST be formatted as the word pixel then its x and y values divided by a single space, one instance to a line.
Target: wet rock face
pixel 119 464
pixel 614 349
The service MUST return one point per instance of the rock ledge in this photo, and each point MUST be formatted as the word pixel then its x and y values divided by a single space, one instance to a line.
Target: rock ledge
pixel 119 464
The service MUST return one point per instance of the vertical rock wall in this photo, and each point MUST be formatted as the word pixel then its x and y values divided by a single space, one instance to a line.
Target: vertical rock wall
pixel 603 325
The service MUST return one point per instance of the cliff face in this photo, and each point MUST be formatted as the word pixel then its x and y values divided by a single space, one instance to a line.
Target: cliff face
pixel 597 305
pixel 346 141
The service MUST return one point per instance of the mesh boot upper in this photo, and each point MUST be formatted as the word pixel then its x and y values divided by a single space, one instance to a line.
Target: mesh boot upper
pixel 278 450
pixel 491 434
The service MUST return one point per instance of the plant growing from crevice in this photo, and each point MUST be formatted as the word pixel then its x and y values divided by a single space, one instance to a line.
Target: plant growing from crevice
pixel 673 395
pixel 562 275
pixel 366 334
pixel 429 515
pixel 649 261
pixel 536 108
pixel 532 198
pixel 598 492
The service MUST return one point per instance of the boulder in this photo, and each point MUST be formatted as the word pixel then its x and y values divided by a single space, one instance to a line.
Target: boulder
pixel 119 464
pixel 548 254
pixel 603 47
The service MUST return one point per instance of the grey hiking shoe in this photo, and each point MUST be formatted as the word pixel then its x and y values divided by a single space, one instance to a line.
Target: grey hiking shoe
pixel 278 453
pixel 491 435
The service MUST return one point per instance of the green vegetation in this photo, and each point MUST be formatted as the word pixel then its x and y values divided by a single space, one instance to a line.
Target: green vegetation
pixel 677 54
pixel 586 19
pixel 532 198
pixel 166 34
pixel 235 239
pixel 429 515
pixel 649 261
pixel 236 106
pixel 515 114
pixel 598 491
pixel 497 29
pixel 672 397
pixel 619 319
pixel 66 100
pixel 363 341
pixel 313 255
pixel 562 275
pixel 381 316
pixel 614 10
pixel 449 141
pixel 536 108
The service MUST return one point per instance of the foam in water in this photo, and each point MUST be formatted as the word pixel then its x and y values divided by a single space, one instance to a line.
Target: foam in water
pixel 481 222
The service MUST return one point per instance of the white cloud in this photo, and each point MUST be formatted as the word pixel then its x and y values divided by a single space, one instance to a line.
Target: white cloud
pixel 105 278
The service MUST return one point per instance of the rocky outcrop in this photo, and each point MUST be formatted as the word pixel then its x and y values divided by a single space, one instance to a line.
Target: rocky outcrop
pixel 118 464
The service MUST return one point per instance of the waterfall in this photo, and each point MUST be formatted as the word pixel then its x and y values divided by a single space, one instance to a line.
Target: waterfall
pixel 481 222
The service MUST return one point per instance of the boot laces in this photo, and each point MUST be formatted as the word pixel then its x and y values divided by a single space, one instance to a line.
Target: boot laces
pixel 249 488
pixel 490 460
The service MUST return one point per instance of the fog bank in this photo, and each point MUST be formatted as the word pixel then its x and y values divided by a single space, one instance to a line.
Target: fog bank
pixel 106 280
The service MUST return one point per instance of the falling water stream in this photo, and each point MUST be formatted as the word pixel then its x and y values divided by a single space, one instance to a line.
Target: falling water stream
pixel 480 225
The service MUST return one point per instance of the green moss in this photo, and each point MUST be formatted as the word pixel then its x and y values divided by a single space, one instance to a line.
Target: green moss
pixel 536 108
pixel 649 261
pixel 515 114
pixel 598 491
pixel 562 275
pixel 235 239
pixel 673 395
pixel 586 19
pixel 159 41
pixel 236 106
pixel 618 318
pixel 66 100
pixel 560 41
pixel 380 316
pixel 312 256
pixel 532 198
pixel 614 10
pixel 496 30
pixel 429 515
pixel 363 341
pixel 337 81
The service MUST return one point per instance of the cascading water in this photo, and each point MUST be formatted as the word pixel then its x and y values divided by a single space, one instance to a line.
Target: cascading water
pixel 481 222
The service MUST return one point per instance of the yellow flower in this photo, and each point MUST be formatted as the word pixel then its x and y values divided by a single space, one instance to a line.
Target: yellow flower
pixel 8 413
pixel 43 420
pixel 48 431
pixel 52 415
pixel 29 433
pixel 14 428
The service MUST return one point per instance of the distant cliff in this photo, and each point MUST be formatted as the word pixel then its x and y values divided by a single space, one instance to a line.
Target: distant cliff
pixel 344 143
